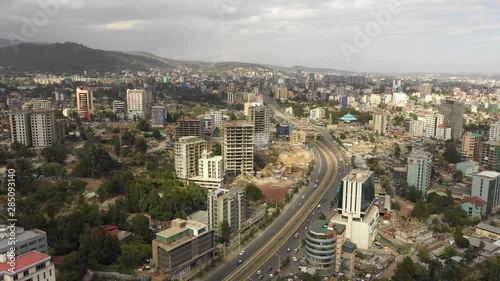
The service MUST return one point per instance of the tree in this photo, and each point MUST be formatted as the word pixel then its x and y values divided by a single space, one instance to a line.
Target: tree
pixel 407 270
pixel 143 125
pixel 72 268
pixel 217 149
pixel 98 247
pixel 397 151
pixel 450 271
pixel 52 169
pixel 451 154
pixel 157 134
pixel 141 145
pixel 225 232
pixel 128 138
pixel 420 210
pixel 93 162
pixel 425 254
pixel 139 225
pixel 458 176
pixel 435 267
pixel 55 153
pixel 252 192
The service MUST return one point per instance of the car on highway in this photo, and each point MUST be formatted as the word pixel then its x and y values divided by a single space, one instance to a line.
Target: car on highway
pixel 271 276
pixel 314 213
pixel 259 272
pixel 270 268
pixel 288 250
pixel 315 185
pixel 260 277
pixel 319 206
pixel 240 262
pixel 306 228
pixel 317 180
pixel 242 252
pixel 296 250
pixel 295 259
pixel 303 196
pixel 297 235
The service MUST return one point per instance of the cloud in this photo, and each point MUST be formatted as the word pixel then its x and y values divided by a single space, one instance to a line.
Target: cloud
pixel 122 25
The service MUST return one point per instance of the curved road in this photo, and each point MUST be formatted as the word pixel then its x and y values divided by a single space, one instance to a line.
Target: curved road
pixel 264 247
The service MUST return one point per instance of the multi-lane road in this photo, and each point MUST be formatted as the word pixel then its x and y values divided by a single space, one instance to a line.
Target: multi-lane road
pixel 271 245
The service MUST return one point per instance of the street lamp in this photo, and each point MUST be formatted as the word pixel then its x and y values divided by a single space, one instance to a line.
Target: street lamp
pixel 279 261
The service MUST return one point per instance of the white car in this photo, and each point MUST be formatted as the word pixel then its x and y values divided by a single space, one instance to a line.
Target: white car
pixel 242 252
pixel 303 196
pixel 295 259
pixel 259 272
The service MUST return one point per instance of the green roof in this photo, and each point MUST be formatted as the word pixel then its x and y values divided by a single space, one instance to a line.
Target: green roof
pixel 476 135
pixel 320 226
pixel 349 245
pixel 338 226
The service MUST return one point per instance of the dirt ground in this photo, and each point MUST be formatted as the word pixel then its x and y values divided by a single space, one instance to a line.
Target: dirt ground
pixel 406 206
pixel 298 157
pixel 273 189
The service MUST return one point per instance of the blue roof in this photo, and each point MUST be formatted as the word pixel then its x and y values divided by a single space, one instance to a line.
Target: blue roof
pixel 348 117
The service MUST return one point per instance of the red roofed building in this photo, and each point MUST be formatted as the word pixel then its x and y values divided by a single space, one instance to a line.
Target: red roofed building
pixel 474 206
pixel 32 266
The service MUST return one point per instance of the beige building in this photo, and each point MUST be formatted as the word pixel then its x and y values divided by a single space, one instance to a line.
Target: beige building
pixel 415 128
pixel 32 266
pixel 188 151
pixel 490 154
pixel 181 249
pixel 238 147
pixel 380 120
pixel 298 137
pixel 189 127
pixel 471 146
pixel 41 104
pixel 137 101
pixel 260 117
pixel 225 205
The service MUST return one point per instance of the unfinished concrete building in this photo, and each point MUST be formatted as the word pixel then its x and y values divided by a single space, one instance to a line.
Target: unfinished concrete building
pixel 238 147
pixel 189 127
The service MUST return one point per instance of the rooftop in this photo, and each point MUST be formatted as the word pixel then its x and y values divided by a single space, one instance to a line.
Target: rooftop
pixel 488 174
pixel 21 235
pixel 358 175
pixel 349 245
pixel 475 200
pixel 348 118
pixel 24 262
pixel 489 228
pixel 189 224
pixel 321 227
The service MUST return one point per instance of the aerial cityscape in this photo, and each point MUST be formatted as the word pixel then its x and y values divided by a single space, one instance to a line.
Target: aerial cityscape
pixel 249 140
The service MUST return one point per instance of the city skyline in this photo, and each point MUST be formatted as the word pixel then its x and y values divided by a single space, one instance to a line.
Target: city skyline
pixel 429 36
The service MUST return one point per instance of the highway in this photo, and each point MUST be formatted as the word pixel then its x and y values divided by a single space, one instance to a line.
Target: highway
pixel 261 252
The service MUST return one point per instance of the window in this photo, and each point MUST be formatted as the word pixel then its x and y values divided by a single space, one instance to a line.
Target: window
pixel 26 273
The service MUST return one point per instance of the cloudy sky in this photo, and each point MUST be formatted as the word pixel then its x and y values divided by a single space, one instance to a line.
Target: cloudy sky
pixel 459 36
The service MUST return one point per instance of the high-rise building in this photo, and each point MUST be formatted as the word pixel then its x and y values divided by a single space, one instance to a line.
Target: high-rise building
pixel 238 147
pixel 432 121
pixel 210 171
pixel 84 102
pixel 260 117
pixel 317 113
pixel 356 209
pixel 218 118
pixel 187 152
pixel 425 90
pixel 36 128
pixel 486 185
pixel 471 146
pixel 380 120
pixel 357 192
pixel 28 267
pixel 419 170
pixel 158 116
pixel 415 128
pixel 453 112
pixel 495 131
pixel 321 246
pixel 225 205
pixel 20 127
pixel 137 100
pixel 180 249
pixel 189 127
pixel 490 155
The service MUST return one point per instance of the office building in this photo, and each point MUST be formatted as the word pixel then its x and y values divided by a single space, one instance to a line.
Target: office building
pixel 419 170
pixel 218 117
pixel 380 120
pixel 189 127
pixel 36 128
pixel 490 153
pixel 453 112
pixel 119 109
pixel 486 185
pixel 317 113
pixel 137 101
pixel 468 168
pixel 20 127
pixel 355 208
pixel 32 266
pixel 225 205
pixel 443 132
pixel 182 248
pixel 471 146
pixel 260 117
pixel 298 137
pixel 283 130
pixel 415 128
pixel 158 116
pixel 432 121
pixel 208 125
pixel 321 246
pixel 84 103
pixel 495 131
pixel 357 191
pixel 26 241
pixel 41 104
pixel 188 151
pixel 210 171
pixel 238 147
pixel 281 93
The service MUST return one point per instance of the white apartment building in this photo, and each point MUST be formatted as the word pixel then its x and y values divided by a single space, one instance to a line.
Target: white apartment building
pixel 41 104
pixel 210 171
pixel 238 147
pixel 443 132
pixel 218 118
pixel 432 121
pixel 495 131
pixel 317 113
pixel 32 266
pixel 415 128
pixel 20 127
pixel 188 151
pixel 137 101
pixel 486 185
pixel 419 170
